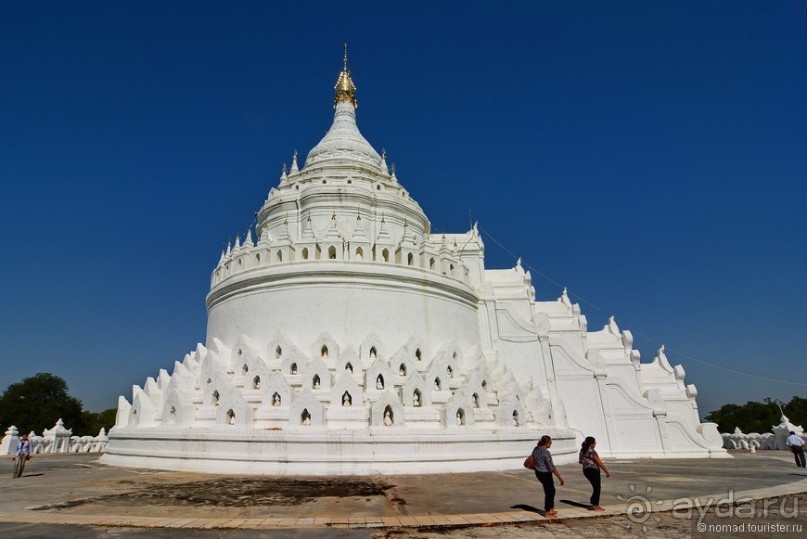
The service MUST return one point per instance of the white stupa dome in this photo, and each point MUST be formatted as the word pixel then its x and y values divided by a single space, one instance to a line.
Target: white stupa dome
pixel 346 338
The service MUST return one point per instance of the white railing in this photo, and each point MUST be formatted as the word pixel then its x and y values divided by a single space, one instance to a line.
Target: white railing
pixel 55 440
pixel 775 440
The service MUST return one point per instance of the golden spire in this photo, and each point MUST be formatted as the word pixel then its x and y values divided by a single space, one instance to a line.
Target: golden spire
pixel 345 90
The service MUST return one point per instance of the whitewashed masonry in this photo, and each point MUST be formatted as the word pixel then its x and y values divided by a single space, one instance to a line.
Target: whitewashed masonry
pixel 345 337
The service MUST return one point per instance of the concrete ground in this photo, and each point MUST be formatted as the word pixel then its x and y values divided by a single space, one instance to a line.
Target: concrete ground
pixel 75 496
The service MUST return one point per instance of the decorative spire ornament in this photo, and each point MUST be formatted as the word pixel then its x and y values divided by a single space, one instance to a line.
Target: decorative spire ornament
pixel 384 169
pixel 345 90
pixel 294 163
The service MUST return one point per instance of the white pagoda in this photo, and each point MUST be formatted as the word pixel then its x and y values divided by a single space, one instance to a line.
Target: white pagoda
pixel 346 338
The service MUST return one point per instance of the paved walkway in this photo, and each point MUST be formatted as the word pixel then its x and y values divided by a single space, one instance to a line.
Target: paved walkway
pixel 76 489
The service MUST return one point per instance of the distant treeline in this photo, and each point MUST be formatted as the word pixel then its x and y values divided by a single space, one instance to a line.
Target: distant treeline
pixel 37 402
pixel 758 416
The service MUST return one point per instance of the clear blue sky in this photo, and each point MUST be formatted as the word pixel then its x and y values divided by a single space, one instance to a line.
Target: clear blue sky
pixel 650 156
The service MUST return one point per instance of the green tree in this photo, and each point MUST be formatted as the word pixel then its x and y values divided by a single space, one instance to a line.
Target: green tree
pixel 758 416
pixel 95 421
pixel 37 402
pixel 796 411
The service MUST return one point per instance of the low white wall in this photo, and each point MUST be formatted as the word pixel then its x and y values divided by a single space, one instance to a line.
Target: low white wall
pixel 56 440
pixel 328 452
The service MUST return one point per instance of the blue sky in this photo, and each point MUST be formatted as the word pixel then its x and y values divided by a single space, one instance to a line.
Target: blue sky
pixel 650 156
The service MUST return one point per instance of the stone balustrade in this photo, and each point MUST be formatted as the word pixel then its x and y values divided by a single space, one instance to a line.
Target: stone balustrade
pixel 774 440
pixel 55 440
pixel 431 256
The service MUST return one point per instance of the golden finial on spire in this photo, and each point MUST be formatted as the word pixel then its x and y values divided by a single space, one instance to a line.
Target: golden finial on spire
pixel 345 90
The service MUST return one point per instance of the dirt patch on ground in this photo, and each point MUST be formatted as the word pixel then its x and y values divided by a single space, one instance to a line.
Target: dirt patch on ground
pixel 231 492
pixel 237 492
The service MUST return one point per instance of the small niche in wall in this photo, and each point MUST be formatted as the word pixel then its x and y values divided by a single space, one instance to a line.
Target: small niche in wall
pixel 460 417
pixel 389 418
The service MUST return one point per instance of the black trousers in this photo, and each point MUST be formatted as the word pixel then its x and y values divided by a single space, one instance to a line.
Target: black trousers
pixel 798 453
pixel 549 489
pixel 593 476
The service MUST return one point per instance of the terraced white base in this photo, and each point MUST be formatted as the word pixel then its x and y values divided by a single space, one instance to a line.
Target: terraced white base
pixel 326 452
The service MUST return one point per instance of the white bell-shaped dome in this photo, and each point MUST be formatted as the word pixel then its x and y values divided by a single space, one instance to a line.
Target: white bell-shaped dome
pixel 343 142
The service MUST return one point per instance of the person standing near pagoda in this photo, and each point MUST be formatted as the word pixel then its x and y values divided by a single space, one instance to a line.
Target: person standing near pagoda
pixel 544 469
pixel 21 455
pixel 591 469
pixel 796 445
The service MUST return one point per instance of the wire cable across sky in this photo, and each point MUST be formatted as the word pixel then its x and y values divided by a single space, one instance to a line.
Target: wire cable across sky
pixel 651 340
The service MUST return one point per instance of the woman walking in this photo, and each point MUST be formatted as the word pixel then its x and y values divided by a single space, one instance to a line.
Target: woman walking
pixel 544 468
pixel 591 469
